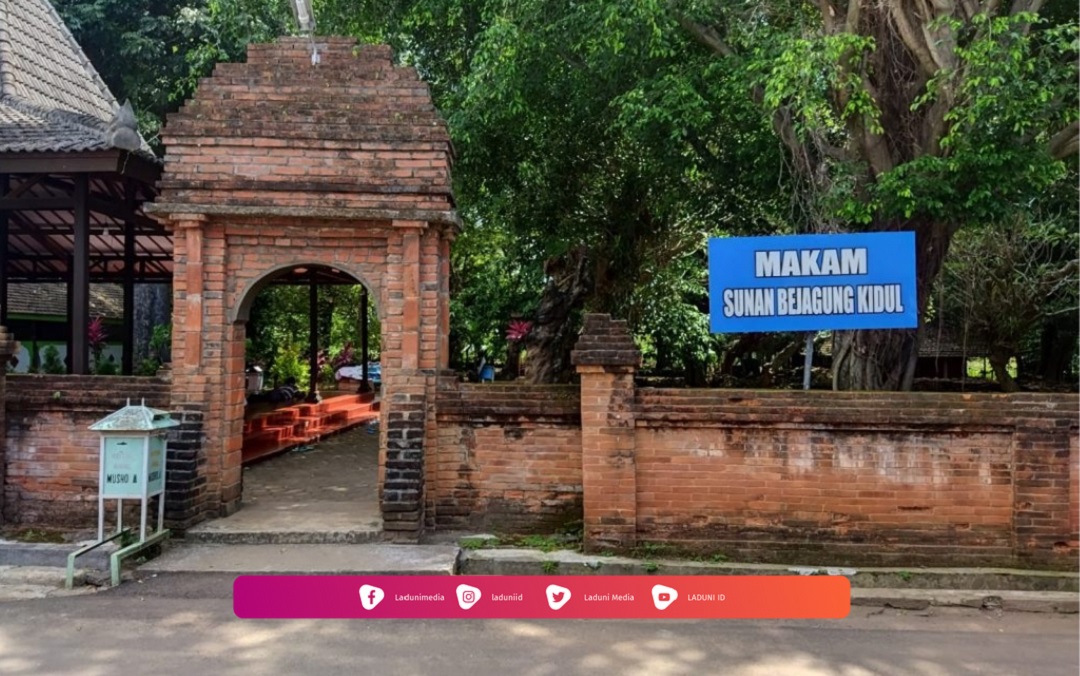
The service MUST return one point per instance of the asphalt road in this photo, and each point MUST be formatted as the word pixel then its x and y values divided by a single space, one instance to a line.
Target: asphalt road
pixel 184 625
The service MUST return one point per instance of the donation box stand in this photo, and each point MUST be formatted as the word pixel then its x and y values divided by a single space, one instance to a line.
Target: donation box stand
pixel 131 467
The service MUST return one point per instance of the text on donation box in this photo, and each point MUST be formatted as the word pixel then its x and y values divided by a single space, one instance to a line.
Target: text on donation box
pixel 812 282
pixel 124 473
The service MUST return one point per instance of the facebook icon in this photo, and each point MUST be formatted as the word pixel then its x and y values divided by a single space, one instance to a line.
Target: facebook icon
pixel 370 596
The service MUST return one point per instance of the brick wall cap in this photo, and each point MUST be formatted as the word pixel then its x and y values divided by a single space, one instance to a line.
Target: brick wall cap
pixel 171 210
pixel 605 342
pixel 7 344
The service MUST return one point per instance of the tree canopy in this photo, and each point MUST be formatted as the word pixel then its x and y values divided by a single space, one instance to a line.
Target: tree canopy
pixel 601 144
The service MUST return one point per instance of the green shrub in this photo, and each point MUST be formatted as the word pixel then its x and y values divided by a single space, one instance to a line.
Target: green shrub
pixel 51 361
pixel 290 362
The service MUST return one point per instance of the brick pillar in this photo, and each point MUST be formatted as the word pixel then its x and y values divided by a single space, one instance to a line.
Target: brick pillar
pixel 194 478
pixel 606 358
pixel 7 348
pixel 405 396
pixel 1042 509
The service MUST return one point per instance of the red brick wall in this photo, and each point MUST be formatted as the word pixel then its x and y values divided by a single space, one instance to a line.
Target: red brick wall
pixel 50 455
pixel 859 478
pixel 508 458
pixel 873 477
pixel 1074 492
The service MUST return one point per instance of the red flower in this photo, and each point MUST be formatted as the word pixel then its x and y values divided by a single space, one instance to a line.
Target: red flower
pixel 518 330
pixel 96 334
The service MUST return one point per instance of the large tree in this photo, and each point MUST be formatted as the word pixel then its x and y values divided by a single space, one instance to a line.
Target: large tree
pixel 609 147
pixel 921 115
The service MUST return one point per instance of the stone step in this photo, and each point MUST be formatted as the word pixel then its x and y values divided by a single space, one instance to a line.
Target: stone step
pixel 285 537
pixel 21 583
pixel 37 576
pixel 327 559
pixel 53 555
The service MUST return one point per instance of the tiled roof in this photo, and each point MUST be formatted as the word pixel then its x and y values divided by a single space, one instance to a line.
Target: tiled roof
pixel 106 300
pixel 51 97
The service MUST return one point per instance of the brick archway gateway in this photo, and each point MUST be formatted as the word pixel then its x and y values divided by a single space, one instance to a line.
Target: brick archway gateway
pixel 282 162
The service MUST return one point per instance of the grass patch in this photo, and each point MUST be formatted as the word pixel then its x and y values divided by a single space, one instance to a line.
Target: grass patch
pixel 550 567
pixel 904 575
pixel 37 536
pixel 545 543
pixel 648 550
pixel 478 543
pixel 650 566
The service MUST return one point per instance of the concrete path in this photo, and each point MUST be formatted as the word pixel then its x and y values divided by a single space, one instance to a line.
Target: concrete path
pixel 328 494
pixel 18 583
pixel 184 625
pixel 368 559
pixel 518 561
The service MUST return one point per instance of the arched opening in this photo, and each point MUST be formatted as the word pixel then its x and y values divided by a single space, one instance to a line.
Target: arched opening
pixel 310 447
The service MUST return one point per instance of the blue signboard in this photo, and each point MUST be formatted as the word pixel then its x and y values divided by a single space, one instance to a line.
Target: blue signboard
pixel 813 282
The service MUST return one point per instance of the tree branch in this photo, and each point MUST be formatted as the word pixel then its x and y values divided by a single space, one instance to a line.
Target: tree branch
pixel 933 127
pixel 828 15
pixel 940 41
pixel 852 24
pixel 706 35
pixel 1063 273
pixel 1066 142
pixel 1019 6
pixel 913 41
pixel 969 8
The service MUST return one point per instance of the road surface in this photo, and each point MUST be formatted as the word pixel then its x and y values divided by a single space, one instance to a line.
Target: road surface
pixel 183 624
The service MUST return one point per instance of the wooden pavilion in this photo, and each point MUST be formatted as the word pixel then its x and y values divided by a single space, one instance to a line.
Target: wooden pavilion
pixel 74 174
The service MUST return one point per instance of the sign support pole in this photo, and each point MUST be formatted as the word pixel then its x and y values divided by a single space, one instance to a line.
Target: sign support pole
pixel 809 360
pixel 101 494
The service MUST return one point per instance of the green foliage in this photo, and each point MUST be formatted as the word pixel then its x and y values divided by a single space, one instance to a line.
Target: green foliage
pixel 609 126
pixel 1003 280
pixel 105 366
pixel 279 329
pixel 51 362
pixel 597 125
pixel 650 549
pixel 550 567
pixel 159 348
pixel 161 340
pixel 478 543
pixel 1010 87
pixel 290 361
pixel 544 543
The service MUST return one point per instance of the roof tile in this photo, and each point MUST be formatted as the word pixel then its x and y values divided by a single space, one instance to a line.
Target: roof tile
pixel 51 97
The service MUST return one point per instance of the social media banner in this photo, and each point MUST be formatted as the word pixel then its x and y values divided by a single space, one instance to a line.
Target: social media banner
pixel 536 597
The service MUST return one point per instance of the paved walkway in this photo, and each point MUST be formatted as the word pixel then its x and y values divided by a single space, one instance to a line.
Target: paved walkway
pixel 323 493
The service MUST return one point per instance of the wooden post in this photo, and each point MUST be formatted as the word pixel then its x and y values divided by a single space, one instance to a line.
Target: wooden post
pixel 128 361
pixel 5 185
pixel 364 336
pixel 79 285
pixel 313 338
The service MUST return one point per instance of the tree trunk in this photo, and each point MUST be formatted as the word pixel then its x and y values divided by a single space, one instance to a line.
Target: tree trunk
pixel 153 307
pixel 513 361
pixel 874 360
pixel 1000 363
pixel 885 359
pixel 553 333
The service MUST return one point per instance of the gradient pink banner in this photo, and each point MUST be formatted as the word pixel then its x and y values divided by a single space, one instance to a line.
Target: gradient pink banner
pixel 536 597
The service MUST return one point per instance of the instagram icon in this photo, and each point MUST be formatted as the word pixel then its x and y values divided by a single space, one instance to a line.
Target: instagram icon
pixel 467 596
